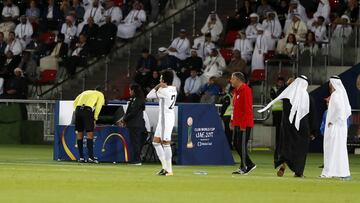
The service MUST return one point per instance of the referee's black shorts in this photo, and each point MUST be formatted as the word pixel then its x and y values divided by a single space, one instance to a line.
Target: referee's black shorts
pixel 84 119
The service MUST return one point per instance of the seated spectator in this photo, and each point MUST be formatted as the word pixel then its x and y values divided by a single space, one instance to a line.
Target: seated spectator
pixel 214 65
pixel 213 25
pixel 152 82
pixel 323 10
pixel 133 21
pixel 352 10
pixel 257 61
pixel 91 31
pixel 145 66
pixel 51 16
pixel 24 31
pixel 10 12
pixel 180 46
pixel 69 30
pixel 282 11
pixel 241 19
pixel 16 87
pixel 310 46
pixel 29 66
pixel 13 45
pixel 272 29
pixel 106 36
pixel 251 30
pixel 113 11
pixel 166 61
pixel 192 62
pixel 192 87
pixel 2 47
pixel 318 27
pixel 297 27
pixel 295 7
pixel 95 11
pixel 65 8
pixel 78 56
pixel 289 49
pixel 11 62
pixel 79 11
pixel 244 46
pixel 204 45
pixel 58 54
pixel 210 92
pixel 33 12
pixel 263 9
pixel 237 64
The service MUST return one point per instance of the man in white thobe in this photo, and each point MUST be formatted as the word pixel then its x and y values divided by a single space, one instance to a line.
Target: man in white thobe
pixel 297 27
pixel 244 46
pixel 213 25
pixel 134 20
pixel 180 46
pixel 272 28
pixel 13 45
pixel 214 66
pixel 113 11
pixel 336 161
pixel 260 49
pixel 24 31
pixel 203 45
pixel 319 29
pixel 251 30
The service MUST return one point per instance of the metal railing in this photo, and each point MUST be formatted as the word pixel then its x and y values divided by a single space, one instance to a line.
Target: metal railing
pixel 38 110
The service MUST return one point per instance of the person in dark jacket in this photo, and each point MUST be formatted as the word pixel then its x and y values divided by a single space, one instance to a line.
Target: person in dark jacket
pixel 106 36
pixel 134 121
pixel 78 56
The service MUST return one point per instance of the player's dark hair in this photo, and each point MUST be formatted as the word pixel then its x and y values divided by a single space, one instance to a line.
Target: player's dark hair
pixel 167 76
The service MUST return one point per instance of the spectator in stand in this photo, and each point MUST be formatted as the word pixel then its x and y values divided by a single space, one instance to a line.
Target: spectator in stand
pixel 204 45
pixel 11 62
pixel 166 61
pixel 251 30
pixel 134 20
pixel 282 11
pixel 323 10
pixel 145 66
pixel 24 31
pixel 290 47
pixel 16 87
pixel 214 65
pixel 295 8
pixel 180 46
pixel 310 46
pixel 69 30
pixel 192 62
pixel 241 19
pixel 2 47
pixel 272 29
pixel 213 25
pixel 297 27
pixel 352 10
pixel 263 9
pixel 113 11
pixel 51 16
pixel 192 87
pixel 65 8
pixel 91 31
pixel 155 7
pixel 79 10
pixel 153 81
pixel 318 27
pixel 95 11
pixel 341 34
pixel 78 56
pixel 10 12
pixel 33 12
pixel 244 46
pixel 257 61
pixel 210 92
pixel 106 36
pixel 13 45
pixel 237 64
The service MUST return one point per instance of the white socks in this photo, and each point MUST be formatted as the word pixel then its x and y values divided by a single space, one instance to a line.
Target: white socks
pixel 161 154
pixel 168 158
pixel 165 156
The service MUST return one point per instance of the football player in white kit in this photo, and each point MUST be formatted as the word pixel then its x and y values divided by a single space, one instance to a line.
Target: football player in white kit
pixel 162 137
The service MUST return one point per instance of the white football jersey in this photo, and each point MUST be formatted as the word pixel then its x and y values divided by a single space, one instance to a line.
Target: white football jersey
pixel 167 98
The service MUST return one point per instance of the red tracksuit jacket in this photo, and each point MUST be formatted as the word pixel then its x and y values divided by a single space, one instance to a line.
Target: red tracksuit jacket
pixel 243 116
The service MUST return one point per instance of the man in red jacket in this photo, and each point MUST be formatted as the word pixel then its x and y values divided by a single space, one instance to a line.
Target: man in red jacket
pixel 242 121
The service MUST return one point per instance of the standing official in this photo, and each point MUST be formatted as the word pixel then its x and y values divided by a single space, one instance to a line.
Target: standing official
pixel 242 121
pixel 87 109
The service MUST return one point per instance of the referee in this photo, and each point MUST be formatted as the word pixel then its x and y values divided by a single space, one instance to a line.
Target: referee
pixel 87 107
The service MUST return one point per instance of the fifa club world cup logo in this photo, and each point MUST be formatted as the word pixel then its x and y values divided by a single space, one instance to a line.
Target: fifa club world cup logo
pixel 189 144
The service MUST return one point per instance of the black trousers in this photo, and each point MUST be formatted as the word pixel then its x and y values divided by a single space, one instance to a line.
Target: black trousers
pixel 277 123
pixel 138 138
pixel 228 132
pixel 240 143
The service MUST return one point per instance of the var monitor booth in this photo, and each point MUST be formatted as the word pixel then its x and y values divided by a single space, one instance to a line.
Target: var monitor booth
pixel 198 135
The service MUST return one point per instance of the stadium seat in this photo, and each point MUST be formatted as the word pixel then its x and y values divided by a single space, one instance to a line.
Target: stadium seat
pixel 230 38
pixel 227 54
pixel 269 55
pixel 46 77
pixel 258 75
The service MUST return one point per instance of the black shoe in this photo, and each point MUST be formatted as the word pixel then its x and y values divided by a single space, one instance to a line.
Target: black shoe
pixel 81 160
pixel 238 172
pixel 92 161
pixel 299 176
pixel 322 166
pixel 162 172
pixel 250 169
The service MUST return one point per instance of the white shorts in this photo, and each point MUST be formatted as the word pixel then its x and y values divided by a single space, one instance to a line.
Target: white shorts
pixel 164 129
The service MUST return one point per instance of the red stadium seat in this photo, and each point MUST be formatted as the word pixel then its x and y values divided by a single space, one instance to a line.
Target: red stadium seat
pixel 118 2
pixel 227 54
pixel 46 77
pixel 269 55
pixel 258 75
pixel 334 4
pixel 230 38
pixel 47 37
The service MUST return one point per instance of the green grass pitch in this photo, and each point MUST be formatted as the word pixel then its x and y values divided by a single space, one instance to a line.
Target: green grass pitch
pixel 28 174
